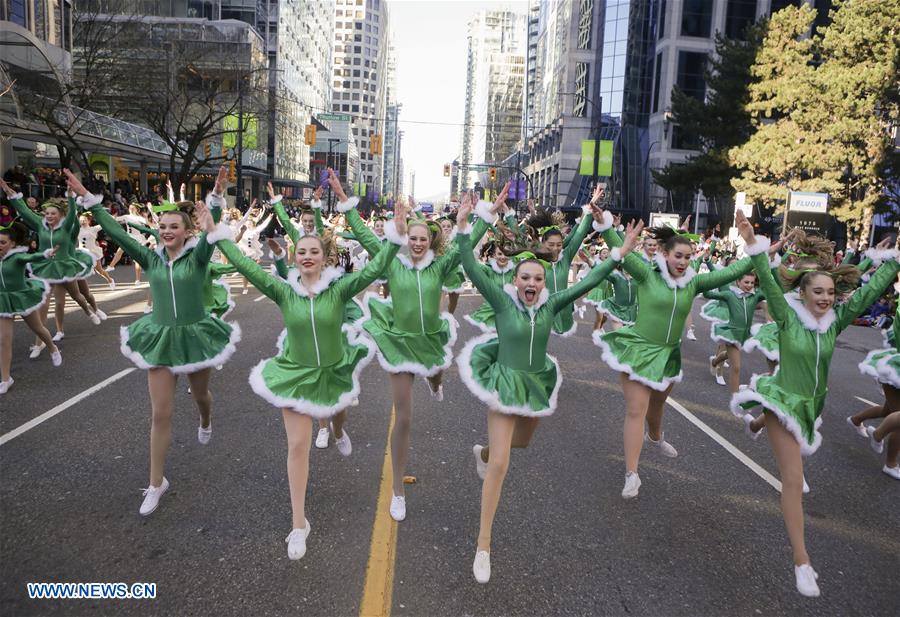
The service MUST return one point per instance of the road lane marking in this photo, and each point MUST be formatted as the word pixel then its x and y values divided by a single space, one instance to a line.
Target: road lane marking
pixel 63 406
pixel 729 447
pixel 378 590
pixel 866 401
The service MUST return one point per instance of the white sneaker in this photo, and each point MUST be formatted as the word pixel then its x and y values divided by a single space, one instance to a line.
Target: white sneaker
pixel 112 284
pixel 148 309
pixel 806 580
pixel 112 269
pixel 664 446
pixel 355 403
pixel 481 567
pixel 95 319
pixel 690 335
pixel 322 438
pixel 343 445
pixel 244 293
pixel 754 435
pixel 438 394
pixel 296 542
pixel 56 337
pixel 6 385
pixel 632 484
pixel 860 429
pixel 713 369
pixel 56 358
pixel 721 380
pixel 398 507
pixel 805 486
pixel 878 446
pixel 893 472
pixel 480 465
pixel 35 350
pixel 204 434
pixel 101 315
pixel 151 497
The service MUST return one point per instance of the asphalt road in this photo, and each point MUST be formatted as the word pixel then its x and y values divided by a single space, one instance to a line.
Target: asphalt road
pixel 705 536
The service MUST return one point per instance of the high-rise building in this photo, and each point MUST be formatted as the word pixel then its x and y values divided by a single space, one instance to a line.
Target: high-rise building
pixel 359 73
pixel 391 156
pixel 495 79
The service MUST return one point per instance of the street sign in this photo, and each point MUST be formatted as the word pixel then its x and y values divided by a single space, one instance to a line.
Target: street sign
pixel 809 212
pixel 664 219
pixel 604 161
pixel 334 117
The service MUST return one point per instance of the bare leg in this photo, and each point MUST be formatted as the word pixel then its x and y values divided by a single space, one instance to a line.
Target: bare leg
pixel 43 313
pixel 734 369
pixel 137 273
pixel 893 449
pixel 889 425
pixel 524 431
pixel 161 383
pixel 337 423
pixel 772 366
pixel 452 300
pixel 600 320
pixel 98 268
pixel 116 258
pixel 34 322
pixel 85 292
pixel 790 466
pixel 614 324
pixel 298 429
pixel 637 399
pixel 201 394
pixel 500 432
pixel 655 410
pixel 891 403
pixel 72 289
pixel 401 386
pixel 6 336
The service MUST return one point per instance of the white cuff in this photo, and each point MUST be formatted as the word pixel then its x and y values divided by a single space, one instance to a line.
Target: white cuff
pixel 483 210
pixel 586 209
pixel 316 203
pixel 89 201
pixel 607 222
pixel 215 201
pixel 775 261
pixel 616 254
pixel 276 200
pixel 277 256
pixel 346 206
pixel 16 196
pixel 878 256
pixel 761 245
pixel 221 232
pixel 47 253
pixel 392 235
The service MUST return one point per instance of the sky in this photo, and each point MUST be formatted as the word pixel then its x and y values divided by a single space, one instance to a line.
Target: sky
pixel 430 40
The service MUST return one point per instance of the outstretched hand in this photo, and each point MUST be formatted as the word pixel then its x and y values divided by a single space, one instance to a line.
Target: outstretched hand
pixel 599 194
pixel 317 194
pixel 632 237
pixel 74 183
pixel 597 213
pixel 500 202
pixel 221 181
pixel 745 229
pixel 335 183
pixel 400 213
pixel 462 215
pixel 274 246
pixel 204 217
pixel 6 188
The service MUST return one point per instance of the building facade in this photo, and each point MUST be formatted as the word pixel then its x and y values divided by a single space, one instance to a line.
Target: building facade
pixel 495 78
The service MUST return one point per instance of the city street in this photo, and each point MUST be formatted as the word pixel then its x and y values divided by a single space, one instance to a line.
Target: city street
pixel 704 537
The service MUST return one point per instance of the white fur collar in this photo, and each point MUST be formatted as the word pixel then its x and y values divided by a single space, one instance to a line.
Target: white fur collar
pixel 493 263
pixel 421 264
pixel 513 293
pixel 18 249
pixel 809 321
pixel 681 282
pixel 188 245
pixel 739 293
pixel 450 238
pixel 328 276
pixel 55 227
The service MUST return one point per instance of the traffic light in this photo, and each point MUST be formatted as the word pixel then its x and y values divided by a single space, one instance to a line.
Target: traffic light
pixel 232 171
pixel 492 173
pixel 207 151
pixel 446 169
pixel 375 144
pixel 309 135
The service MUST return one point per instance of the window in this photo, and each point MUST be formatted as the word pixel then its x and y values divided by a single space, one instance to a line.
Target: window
pixel 356 85
pixel 681 140
pixel 696 18
pixel 359 25
pixel 777 5
pixel 656 82
pixel 691 80
pixel 356 73
pixel 662 19
pixel 354 108
pixel 357 38
pixel 356 61
pixel 357 49
pixel 346 84
pixel 738 16
pixel 337 84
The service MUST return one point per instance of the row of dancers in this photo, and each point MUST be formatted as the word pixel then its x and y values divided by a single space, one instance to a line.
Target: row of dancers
pixel 329 338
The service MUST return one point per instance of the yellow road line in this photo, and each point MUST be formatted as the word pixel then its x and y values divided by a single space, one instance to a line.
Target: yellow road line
pixel 379 587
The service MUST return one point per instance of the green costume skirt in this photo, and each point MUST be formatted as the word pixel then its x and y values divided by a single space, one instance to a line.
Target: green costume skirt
pixel 507 390
pixel 352 312
pixel 483 318
pixel 652 364
pixel 883 365
pixel 724 333
pixel 222 303
pixel 799 413
pixel 764 338
pixel 564 323
pixel 622 314
pixel 715 311
pixel 598 294
pixel 25 301
pixel 317 391
pixel 407 352
pixel 181 349
pixel 454 281
pixel 62 268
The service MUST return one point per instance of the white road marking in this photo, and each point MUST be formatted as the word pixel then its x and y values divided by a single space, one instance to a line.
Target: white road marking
pixel 63 406
pixel 729 447
pixel 867 402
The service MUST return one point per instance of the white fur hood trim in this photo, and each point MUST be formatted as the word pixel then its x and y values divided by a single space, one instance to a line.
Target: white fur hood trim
pixel 346 206
pixel 328 276
pixel 739 293
pixel 18 249
pixel 761 245
pixel 607 222
pixel 663 268
pixel 89 200
pixel 809 320
pixel 316 204
pixel 188 245
pixel 492 262
pixel 221 232
pixel 420 265
pixel 215 201
pixel 392 235
pixel 513 293
pixel 878 256
pixel 483 210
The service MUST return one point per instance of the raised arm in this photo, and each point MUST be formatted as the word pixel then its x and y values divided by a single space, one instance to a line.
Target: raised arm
pixel 268 285
pixel 316 204
pixel 395 233
pixel 711 280
pixel 30 218
pixel 282 215
pixel 70 222
pixel 758 248
pixel 572 242
pixel 715 294
pixel 144 229
pixel 213 232
pixel 866 295
pixel 136 250
pixel 605 225
pixel 493 293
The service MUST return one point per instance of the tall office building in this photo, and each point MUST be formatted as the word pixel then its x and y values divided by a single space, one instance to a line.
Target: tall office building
pixel 359 74
pixel 495 79
pixel 391 156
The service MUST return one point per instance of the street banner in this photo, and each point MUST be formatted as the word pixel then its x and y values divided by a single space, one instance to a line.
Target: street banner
pixel 604 161
pixel 809 212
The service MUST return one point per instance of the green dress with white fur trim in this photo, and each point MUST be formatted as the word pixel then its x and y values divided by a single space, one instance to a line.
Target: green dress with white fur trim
pixel 483 317
pixel 20 295
pixel 740 306
pixel 796 392
pixel 509 370
pixel 179 334
pixel 558 273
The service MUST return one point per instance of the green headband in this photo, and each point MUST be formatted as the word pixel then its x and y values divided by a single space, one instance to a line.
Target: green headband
pixel 166 206
pixel 797 254
pixel 528 255
pixel 544 230
pixel 685 234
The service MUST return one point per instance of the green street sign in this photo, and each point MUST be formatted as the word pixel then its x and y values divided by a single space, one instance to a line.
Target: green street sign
pixel 604 162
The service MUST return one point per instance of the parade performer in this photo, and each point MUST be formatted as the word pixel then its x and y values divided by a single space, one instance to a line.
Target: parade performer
pixel 412 335
pixel 316 373
pixel 179 336
pixel 87 241
pixel 499 269
pixel 599 293
pixel 20 297
pixel 620 308
pixel 793 398
pixel 134 220
pixel 453 284
pixel 510 371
